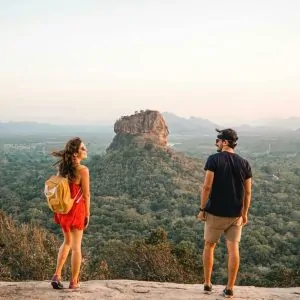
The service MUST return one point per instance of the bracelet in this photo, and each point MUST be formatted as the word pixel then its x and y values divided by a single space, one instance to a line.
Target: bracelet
pixel 202 209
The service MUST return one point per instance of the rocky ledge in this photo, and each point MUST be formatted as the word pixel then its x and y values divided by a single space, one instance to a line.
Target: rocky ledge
pixel 136 290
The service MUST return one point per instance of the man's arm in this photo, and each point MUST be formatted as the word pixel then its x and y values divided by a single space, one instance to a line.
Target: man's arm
pixel 247 200
pixel 206 189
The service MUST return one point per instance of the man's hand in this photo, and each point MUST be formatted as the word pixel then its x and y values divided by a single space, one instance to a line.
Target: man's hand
pixel 245 219
pixel 201 216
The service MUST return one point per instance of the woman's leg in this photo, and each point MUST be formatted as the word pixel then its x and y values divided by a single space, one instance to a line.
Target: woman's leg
pixel 63 253
pixel 76 254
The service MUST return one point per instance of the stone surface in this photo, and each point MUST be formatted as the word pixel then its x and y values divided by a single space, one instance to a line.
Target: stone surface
pixel 141 128
pixel 136 290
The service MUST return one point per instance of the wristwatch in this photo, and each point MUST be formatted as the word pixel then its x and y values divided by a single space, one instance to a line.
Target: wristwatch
pixel 202 209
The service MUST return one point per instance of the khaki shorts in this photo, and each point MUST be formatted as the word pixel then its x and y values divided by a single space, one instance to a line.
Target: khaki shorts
pixel 215 226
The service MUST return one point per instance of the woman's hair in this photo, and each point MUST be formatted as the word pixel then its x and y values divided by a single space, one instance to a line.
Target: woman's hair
pixel 65 163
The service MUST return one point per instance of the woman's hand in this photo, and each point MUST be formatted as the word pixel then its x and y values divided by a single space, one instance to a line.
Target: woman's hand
pixel 86 221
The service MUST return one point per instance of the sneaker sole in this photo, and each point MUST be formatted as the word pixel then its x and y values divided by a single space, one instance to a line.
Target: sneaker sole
pixel 56 286
pixel 227 296
pixel 207 292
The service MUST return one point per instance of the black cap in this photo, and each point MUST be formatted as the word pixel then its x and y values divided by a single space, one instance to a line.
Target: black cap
pixel 227 134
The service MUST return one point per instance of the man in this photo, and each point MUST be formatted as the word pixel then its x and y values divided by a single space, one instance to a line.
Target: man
pixel 225 200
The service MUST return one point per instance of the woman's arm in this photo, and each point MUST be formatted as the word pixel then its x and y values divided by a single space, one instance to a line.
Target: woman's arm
pixel 85 186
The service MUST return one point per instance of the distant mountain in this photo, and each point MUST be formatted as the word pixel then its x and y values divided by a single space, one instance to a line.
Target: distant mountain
pixel 31 128
pixel 291 123
pixel 198 126
pixel 192 125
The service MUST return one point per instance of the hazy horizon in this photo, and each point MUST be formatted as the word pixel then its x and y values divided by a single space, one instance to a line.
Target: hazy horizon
pixel 72 62
pixel 229 123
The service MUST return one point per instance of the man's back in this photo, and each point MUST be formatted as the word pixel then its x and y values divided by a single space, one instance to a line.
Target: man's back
pixel 227 193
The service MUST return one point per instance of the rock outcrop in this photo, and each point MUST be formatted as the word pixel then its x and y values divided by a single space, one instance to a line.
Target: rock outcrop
pixel 144 128
pixel 138 290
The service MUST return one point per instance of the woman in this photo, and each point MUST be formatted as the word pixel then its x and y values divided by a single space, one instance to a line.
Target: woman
pixel 73 223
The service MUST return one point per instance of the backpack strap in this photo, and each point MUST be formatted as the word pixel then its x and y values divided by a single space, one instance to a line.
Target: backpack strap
pixel 79 193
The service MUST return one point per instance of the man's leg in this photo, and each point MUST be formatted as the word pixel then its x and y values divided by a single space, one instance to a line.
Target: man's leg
pixel 208 261
pixel 233 262
pixel 233 236
pixel 212 233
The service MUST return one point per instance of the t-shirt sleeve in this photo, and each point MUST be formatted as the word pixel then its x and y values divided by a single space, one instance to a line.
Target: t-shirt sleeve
pixel 248 172
pixel 210 164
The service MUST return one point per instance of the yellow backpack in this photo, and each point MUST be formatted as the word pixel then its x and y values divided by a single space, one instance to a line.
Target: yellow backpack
pixel 58 194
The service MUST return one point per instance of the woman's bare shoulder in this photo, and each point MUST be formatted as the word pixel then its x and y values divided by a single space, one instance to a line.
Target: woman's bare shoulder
pixel 81 167
pixel 80 171
pixel 83 170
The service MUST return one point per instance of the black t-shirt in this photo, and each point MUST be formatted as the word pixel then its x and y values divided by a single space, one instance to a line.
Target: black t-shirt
pixel 227 193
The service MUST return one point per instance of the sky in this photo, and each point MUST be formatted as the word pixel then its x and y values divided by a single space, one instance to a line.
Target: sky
pixel 92 61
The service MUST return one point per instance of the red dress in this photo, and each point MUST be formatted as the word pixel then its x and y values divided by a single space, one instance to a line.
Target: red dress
pixel 74 219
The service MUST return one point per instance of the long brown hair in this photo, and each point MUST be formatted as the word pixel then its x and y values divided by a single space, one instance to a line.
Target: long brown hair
pixel 65 163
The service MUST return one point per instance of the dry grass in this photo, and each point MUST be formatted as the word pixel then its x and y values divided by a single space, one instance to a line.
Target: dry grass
pixel 26 252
